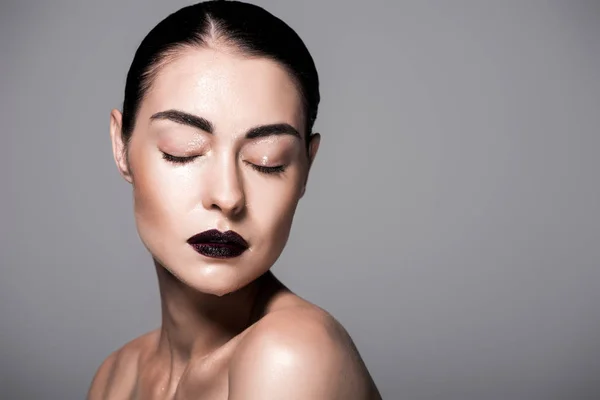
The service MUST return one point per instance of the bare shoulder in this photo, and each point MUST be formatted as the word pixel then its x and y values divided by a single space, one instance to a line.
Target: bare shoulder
pixel 299 353
pixel 117 373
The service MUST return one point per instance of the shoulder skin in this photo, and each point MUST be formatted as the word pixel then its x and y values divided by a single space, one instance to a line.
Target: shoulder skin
pixel 118 372
pixel 299 354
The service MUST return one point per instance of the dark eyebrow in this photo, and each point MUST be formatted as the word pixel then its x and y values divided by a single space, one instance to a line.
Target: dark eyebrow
pixel 184 118
pixel 273 129
pixel 195 121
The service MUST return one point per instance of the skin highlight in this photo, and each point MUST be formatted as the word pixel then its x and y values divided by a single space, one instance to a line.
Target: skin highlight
pixel 219 143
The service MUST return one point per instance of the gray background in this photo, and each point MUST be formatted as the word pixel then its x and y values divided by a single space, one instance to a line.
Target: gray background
pixel 452 222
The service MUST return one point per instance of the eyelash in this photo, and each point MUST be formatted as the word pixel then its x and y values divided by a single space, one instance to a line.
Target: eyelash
pixel 260 168
pixel 177 160
pixel 268 170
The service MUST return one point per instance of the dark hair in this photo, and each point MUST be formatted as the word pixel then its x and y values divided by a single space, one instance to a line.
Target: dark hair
pixel 244 27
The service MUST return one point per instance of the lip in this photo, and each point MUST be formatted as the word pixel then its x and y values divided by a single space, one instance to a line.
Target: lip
pixel 216 244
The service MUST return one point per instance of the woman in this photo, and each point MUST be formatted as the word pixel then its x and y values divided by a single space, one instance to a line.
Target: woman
pixel 216 140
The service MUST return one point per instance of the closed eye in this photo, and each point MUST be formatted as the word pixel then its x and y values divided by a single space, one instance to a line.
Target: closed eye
pixel 178 160
pixel 268 170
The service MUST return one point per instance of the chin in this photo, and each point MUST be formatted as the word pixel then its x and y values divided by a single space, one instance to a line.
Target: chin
pixel 215 278
pixel 218 280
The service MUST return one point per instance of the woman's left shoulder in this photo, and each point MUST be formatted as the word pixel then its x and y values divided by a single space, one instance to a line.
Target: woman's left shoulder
pixel 300 327
pixel 299 352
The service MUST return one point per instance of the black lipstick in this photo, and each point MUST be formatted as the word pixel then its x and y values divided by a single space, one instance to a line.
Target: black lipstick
pixel 216 244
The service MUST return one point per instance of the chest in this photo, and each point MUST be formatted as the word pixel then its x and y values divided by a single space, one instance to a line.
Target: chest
pixel 207 381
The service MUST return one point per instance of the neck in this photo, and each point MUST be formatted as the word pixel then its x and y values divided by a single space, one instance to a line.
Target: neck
pixel 198 323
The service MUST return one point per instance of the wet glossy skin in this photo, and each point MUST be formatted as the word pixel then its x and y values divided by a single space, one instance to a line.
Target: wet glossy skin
pixel 230 329
pixel 219 189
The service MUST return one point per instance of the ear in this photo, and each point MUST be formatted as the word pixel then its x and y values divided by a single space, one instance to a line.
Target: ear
pixel 118 146
pixel 313 148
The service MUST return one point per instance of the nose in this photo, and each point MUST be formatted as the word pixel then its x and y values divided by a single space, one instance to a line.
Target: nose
pixel 224 189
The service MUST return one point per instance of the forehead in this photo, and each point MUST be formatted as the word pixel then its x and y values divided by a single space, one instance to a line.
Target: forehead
pixel 231 90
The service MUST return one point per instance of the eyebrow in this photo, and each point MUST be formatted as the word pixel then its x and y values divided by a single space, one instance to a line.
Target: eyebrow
pixel 184 118
pixel 198 122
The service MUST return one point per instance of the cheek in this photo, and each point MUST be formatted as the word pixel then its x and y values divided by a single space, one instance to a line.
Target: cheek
pixel 272 206
pixel 159 195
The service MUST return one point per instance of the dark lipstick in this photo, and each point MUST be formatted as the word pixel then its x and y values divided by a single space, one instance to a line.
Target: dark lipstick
pixel 216 244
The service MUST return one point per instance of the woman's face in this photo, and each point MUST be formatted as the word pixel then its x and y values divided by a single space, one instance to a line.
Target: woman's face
pixel 218 144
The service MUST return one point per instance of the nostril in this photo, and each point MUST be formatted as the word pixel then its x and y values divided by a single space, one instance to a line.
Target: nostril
pixel 229 206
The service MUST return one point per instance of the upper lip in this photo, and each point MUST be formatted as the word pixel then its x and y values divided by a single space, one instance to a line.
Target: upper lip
pixel 216 236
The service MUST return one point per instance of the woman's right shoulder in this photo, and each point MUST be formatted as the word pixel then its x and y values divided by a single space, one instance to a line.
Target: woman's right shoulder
pixel 117 374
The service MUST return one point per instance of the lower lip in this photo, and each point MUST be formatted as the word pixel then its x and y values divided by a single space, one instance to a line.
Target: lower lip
pixel 216 250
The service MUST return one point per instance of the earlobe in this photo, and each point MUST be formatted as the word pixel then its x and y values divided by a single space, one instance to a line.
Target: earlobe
pixel 118 146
